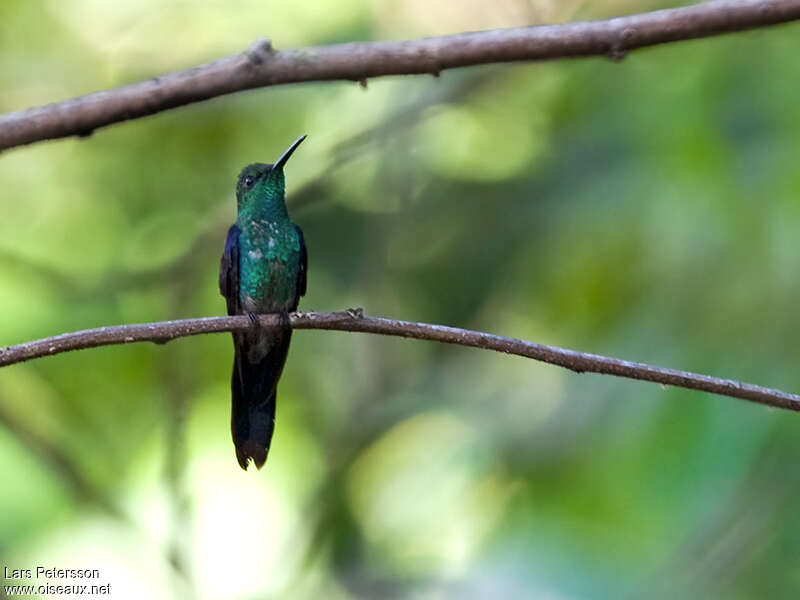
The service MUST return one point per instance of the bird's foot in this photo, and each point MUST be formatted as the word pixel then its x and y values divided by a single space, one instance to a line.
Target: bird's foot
pixel 254 321
pixel 284 322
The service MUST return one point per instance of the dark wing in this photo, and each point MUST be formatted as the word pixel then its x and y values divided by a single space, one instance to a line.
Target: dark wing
pixel 301 279
pixel 229 272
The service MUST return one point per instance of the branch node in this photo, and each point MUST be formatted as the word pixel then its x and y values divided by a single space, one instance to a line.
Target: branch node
pixel 616 54
pixel 619 47
pixel 363 82
pixel 355 313
pixel 258 51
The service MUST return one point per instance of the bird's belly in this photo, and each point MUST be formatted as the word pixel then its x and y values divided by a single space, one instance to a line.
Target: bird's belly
pixel 268 286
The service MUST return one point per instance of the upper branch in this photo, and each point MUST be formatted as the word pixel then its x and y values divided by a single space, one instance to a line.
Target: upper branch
pixel 261 65
pixel 354 320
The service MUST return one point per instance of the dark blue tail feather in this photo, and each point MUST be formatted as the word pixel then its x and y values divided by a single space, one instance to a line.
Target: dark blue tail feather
pixel 253 387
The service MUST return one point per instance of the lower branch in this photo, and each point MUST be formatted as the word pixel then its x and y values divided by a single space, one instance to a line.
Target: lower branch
pixel 354 320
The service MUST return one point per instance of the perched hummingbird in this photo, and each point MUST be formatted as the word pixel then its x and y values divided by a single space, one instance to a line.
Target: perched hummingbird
pixel 263 270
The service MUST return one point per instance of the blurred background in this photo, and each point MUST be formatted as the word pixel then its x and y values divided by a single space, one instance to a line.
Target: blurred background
pixel 646 209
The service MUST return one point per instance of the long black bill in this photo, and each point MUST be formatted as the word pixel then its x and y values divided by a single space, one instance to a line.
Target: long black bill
pixel 285 156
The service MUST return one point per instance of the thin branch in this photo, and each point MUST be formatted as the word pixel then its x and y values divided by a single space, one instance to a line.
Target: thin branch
pixel 261 65
pixel 354 320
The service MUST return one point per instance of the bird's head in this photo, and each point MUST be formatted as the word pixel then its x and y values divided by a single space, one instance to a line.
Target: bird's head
pixel 261 186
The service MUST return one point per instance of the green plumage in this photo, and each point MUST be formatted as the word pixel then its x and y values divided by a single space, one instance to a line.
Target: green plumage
pixel 269 260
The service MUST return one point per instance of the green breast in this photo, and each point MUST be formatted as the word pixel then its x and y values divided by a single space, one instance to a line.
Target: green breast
pixel 269 265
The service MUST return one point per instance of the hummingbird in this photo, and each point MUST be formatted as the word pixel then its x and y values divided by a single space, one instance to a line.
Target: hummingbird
pixel 263 270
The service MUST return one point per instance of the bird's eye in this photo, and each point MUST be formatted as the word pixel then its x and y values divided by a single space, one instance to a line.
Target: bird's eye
pixel 249 181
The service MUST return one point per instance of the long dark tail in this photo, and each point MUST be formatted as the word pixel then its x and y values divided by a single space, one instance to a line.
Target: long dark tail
pixel 257 366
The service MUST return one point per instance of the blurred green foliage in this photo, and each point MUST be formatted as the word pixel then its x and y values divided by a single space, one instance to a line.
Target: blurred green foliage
pixel 647 209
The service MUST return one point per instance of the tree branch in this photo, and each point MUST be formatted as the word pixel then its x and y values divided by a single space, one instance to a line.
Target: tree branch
pixel 261 65
pixel 354 320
